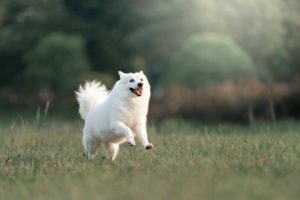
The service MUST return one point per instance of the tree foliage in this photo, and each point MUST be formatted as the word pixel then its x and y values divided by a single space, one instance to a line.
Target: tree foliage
pixel 209 58
pixel 56 62
pixel 132 35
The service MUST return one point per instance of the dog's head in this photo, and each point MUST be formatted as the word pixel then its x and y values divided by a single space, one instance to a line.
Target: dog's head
pixel 136 83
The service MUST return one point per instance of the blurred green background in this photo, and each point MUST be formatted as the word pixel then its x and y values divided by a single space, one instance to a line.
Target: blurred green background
pixel 217 60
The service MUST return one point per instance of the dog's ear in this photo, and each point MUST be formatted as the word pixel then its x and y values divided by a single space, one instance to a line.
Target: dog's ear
pixel 121 74
pixel 141 72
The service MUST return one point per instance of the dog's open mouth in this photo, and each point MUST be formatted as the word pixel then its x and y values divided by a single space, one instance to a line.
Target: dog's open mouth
pixel 138 91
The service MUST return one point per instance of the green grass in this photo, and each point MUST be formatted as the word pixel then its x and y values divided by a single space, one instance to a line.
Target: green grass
pixel 190 161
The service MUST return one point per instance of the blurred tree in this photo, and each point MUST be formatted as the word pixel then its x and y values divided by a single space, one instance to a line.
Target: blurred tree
pixel 206 59
pixel 255 25
pixel 285 63
pixel 167 25
pixel 57 62
pixel 2 10
pixel 108 25
pixel 24 24
pixel 259 28
pixel 164 38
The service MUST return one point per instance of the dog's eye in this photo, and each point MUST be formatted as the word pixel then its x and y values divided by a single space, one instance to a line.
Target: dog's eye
pixel 141 79
pixel 131 80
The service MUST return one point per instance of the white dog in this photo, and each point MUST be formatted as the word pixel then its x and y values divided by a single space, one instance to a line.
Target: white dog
pixel 111 118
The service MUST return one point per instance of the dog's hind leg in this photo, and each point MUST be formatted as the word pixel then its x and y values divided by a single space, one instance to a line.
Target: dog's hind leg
pixel 112 150
pixel 90 146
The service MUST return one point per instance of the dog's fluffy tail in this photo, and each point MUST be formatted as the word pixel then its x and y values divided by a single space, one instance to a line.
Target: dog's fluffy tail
pixel 89 96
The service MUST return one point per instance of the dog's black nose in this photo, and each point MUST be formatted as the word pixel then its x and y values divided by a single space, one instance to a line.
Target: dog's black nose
pixel 140 84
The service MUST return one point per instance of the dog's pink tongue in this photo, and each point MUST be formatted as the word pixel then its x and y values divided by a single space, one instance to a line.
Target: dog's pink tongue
pixel 139 91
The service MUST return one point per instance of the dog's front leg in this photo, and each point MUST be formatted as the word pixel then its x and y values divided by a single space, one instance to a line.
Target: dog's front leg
pixel 122 129
pixel 141 133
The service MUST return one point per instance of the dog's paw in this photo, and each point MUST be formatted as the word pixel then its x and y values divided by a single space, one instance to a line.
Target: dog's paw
pixel 149 146
pixel 130 144
pixel 131 141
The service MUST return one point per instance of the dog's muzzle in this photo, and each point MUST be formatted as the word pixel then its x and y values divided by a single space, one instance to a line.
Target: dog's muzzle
pixel 137 91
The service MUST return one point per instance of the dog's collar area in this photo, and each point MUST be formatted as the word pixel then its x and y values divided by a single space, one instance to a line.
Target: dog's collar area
pixel 138 91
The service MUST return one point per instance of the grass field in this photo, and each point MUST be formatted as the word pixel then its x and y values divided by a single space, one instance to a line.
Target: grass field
pixel 190 161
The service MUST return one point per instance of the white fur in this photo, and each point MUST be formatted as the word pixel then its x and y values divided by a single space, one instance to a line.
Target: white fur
pixel 111 118
pixel 89 96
